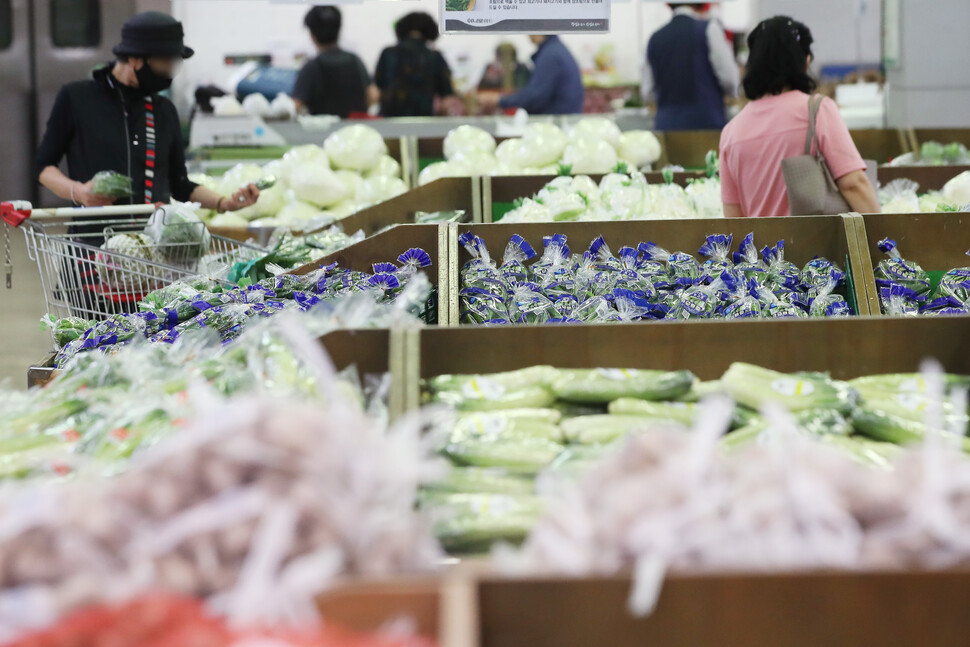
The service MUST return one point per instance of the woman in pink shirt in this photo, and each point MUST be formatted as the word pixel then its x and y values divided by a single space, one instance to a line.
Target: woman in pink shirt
pixel 773 127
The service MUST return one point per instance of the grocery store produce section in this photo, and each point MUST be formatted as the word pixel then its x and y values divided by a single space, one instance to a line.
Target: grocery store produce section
pixel 540 373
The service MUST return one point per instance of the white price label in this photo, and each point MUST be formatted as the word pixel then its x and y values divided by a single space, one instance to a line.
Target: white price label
pixel 482 388
pixel 791 386
pixel 617 374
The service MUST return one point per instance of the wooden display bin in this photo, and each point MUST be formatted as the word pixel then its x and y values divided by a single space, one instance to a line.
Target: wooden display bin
pixel 937 241
pixel 834 237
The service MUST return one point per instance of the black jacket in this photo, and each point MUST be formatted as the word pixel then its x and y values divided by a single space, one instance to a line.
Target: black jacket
pixel 410 75
pixel 88 125
pixel 333 83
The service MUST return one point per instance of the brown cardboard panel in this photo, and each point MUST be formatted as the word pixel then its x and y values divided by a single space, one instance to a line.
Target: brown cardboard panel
pixel 368 350
pixel 383 247
pixel 393 147
pixel 805 237
pixel 368 606
pixel 41 373
pixel 879 144
pixel 930 178
pixel 731 610
pixel 849 347
pixel 943 135
pixel 688 148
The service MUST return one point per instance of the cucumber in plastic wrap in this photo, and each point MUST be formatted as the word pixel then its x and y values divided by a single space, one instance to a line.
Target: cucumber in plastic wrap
pixel 529 423
pixel 681 412
pixel 509 380
pixel 471 523
pixel 478 480
pixel 597 430
pixel 605 385
pixel 519 455
pixel 753 386
pixel 887 427
pixel 701 390
pixel 574 463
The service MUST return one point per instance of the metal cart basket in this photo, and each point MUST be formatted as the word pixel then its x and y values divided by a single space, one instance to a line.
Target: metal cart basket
pixel 99 261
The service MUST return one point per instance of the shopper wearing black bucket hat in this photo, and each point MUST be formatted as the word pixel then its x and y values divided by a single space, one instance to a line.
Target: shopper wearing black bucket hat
pixel 117 121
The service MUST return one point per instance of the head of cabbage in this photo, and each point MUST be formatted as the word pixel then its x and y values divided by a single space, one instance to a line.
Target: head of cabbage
pixel 465 139
pixel 318 185
pixel 355 148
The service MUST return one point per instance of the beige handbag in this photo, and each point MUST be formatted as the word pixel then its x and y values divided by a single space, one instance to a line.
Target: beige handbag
pixel 811 188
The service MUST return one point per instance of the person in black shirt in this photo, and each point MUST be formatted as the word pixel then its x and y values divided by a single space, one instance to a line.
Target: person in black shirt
pixel 335 82
pixel 118 122
pixel 411 74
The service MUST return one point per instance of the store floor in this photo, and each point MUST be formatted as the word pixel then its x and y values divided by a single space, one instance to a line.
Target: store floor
pixel 22 342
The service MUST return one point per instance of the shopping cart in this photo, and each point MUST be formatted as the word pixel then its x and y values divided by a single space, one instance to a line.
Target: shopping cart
pixel 98 261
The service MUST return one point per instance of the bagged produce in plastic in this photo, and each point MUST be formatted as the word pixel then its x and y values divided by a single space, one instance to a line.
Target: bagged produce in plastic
pixel 179 233
pixel 111 184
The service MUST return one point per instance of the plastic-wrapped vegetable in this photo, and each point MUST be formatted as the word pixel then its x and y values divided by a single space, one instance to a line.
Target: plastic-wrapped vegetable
pixel 179 233
pixel 67 329
pixel 828 304
pixel 753 386
pixel 606 385
pixel 897 270
pixel 111 184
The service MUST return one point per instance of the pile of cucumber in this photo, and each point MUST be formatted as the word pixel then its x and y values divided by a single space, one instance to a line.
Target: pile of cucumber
pixel 509 428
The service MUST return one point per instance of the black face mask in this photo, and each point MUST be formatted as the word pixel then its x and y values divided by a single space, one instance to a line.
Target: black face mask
pixel 149 82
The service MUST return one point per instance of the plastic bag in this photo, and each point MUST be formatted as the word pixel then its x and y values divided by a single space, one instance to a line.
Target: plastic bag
pixel 111 184
pixel 179 233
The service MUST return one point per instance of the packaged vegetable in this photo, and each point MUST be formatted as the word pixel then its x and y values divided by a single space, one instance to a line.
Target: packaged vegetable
pixel 895 270
pixel 111 184
pixel 754 386
pixel 606 385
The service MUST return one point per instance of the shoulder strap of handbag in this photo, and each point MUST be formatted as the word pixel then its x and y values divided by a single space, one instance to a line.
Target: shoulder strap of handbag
pixel 814 103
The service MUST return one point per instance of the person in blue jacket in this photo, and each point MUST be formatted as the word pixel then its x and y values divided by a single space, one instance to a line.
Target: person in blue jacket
pixel 691 69
pixel 556 85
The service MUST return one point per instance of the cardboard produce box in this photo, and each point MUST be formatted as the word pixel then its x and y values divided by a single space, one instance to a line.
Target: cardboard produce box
pixel 499 193
pixel 937 241
pixel 387 246
pixel 834 237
